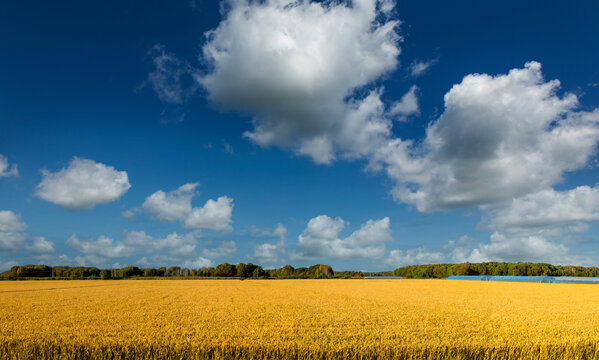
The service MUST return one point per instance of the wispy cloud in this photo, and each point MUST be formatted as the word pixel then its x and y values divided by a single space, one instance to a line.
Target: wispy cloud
pixel 418 68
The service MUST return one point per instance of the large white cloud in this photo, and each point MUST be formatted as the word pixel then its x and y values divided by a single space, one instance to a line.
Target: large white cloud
pixel 5 169
pixel 499 137
pixel 298 72
pixel 321 239
pixel 294 63
pixel 83 184
pixel 176 206
pixel 502 143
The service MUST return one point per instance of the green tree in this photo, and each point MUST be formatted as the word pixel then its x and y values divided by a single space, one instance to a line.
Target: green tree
pixel 258 272
pixel 173 271
pixel 105 274
pixel 226 270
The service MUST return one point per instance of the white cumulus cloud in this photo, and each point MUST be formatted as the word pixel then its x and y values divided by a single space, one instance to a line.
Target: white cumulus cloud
pixel 499 137
pixel 270 253
pixel 293 64
pixel 83 184
pixel 39 245
pixel 172 206
pixel 11 222
pixel 11 241
pixel 12 229
pixel 214 215
pixel 321 239
pixel 547 209
pixel 406 106
pixel 524 248
pixel 176 206
pixel 5 169
pixel 536 226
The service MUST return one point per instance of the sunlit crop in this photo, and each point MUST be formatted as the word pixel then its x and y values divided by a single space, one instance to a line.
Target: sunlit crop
pixel 298 319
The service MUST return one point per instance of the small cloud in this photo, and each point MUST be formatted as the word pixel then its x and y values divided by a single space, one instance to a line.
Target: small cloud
pixel 172 115
pixel 407 106
pixel 225 249
pixel 6 170
pixel 131 213
pixel 321 240
pixel 176 205
pixel 102 246
pixel 270 253
pixel 7 265
pixel 417 256
pixel 83 185
pixel 11 222
pixel 279 231
pixel 172 79
pixel 228 149
pixel 198 263
pixel 418 68
pixel 40 245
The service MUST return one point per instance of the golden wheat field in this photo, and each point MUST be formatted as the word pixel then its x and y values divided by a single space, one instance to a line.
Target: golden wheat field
pixel 297 319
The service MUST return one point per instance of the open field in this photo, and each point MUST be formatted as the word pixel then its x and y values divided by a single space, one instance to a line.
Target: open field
pixel 298 319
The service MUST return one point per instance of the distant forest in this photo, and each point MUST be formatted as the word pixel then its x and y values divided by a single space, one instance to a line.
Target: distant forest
pixel 251 271
pixel 441 271
pixel 224 270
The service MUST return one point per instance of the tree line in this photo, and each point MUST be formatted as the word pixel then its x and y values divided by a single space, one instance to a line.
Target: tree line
pixel 224 270
pixel 319 271
pixel 441 271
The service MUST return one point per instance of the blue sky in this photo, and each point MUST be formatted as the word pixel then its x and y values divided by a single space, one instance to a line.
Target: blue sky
pixel 365 135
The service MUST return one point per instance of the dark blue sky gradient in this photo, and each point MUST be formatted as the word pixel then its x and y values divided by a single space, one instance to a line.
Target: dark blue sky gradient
pixel 73 83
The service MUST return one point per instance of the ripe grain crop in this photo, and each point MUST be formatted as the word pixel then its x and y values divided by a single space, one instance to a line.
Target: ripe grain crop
pixel 297 319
